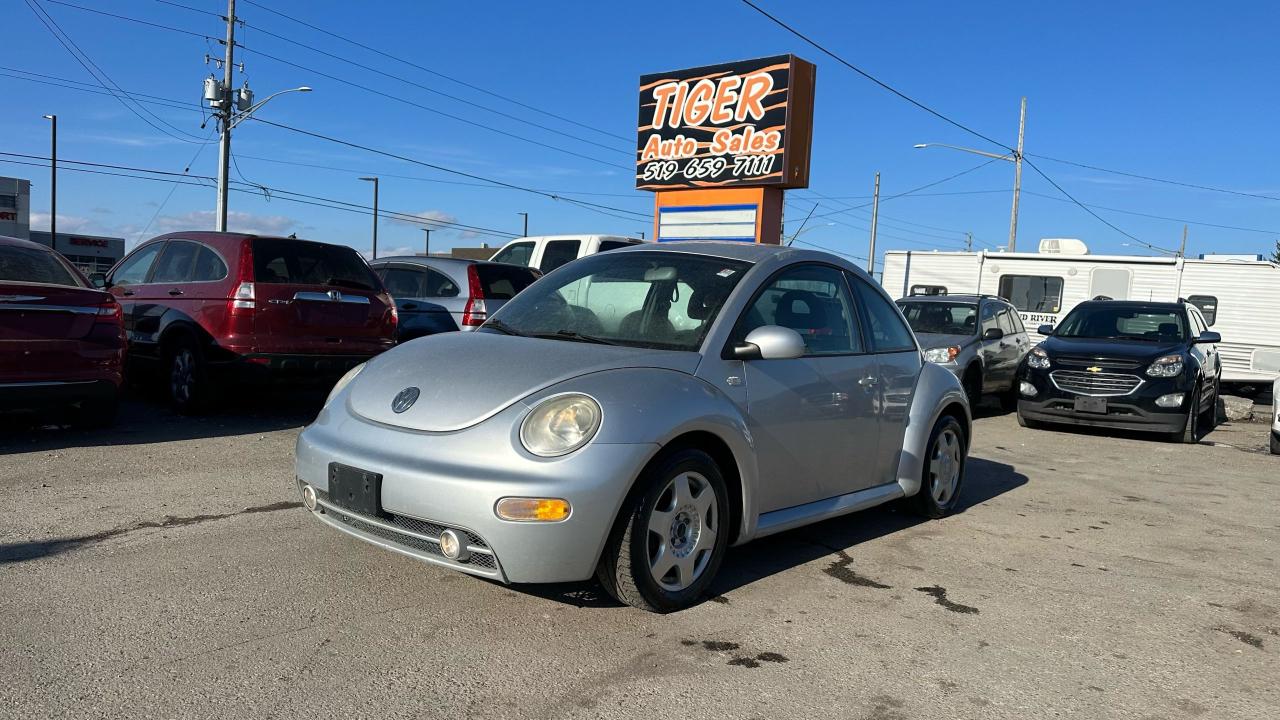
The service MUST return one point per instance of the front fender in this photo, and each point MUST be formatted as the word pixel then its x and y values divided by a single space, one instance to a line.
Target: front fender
pixel 936 389
pixel 656 407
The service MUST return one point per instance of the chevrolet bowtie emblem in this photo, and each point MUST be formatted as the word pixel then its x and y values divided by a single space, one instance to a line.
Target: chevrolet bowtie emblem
pixel 1095 368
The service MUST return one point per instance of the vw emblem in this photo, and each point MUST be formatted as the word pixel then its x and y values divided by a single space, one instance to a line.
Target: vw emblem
pixel 405 399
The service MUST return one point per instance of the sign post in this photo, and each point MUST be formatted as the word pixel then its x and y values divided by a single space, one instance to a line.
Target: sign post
pixel 719 144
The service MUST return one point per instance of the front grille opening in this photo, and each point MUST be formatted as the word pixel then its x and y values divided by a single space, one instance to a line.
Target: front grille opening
pixel 1095 384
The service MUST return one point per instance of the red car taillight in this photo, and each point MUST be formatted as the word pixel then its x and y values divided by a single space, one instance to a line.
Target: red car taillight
pixel 109 313
pixel 475 313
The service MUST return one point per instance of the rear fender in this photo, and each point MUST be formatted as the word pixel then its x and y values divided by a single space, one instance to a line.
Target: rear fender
pixel 936 389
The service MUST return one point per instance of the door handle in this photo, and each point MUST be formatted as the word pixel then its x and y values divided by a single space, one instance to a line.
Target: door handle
pixel 175 291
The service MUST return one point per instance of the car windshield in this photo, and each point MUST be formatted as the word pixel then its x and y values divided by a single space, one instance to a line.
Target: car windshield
pixel 663 300
pixel 941 318
pixel 1113 322
pixel 21 264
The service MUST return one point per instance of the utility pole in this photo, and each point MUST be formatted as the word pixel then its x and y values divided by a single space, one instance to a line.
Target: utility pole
pixel 875 216
pixel 1017 179
pixel 1182 251
pixel 526 223
pixel 426 248
pixel 374 180
pixel 53 180
pixel 968 242
pixel 641 234
pixel 226 107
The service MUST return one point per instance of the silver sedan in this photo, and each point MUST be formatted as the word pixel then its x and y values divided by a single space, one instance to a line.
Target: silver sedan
pixel 633 414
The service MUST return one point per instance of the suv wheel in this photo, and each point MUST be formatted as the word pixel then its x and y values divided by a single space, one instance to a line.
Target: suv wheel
pixel 1191 429
pixel 943 469
pixel 188 378
pixel 973 387
pixel 670 537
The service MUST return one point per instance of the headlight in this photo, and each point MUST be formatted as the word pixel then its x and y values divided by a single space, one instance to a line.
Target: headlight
pixel 1038 358
pixel 1166 367
pixel 560 425
pixel 343 382
pixel 942 354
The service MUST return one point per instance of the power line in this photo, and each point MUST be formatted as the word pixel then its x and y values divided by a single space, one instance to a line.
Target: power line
pixel 1159 217
pixel 173 105
pixel 912 191
pixel 873 78
pixel 452 79
pixel 1155 179
pixel 1084 207
pixel 134 20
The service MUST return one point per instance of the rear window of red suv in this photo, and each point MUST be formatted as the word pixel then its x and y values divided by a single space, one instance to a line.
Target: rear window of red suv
pixel 19 264
pixel 299 262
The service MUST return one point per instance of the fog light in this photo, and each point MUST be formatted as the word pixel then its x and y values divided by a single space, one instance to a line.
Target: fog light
pixel 309 497
pixel 532 509
pixel 452 546
pixel 1027 389
pixel 1171 400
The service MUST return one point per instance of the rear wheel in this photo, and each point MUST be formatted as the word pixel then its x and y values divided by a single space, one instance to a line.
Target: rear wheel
pixel 943 470
pixel 670 537
pixel 188 378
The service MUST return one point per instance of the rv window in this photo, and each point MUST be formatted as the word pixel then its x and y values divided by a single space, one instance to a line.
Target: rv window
pixel 1208 305
pixel 1112 283
pixel 1032 293
pixel 928 290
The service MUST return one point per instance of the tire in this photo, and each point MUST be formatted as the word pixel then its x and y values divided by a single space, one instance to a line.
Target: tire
pixel 973 388
pixel 1009 398
pixel 1191 428
pixel 187 378
pixel 943 475
pixel 637 552
pixel 96 414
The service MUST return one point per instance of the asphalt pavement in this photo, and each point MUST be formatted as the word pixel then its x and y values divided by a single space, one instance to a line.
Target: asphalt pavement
pixel 164 568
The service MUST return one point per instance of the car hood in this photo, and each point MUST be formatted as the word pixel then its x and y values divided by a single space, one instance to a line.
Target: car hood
pixel 1087 348
pixel 465 378
pixel 939 340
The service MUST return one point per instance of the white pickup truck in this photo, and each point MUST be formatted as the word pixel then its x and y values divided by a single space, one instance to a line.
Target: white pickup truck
pixel 548 252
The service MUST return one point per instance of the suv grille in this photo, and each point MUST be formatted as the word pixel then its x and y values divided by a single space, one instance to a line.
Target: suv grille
pixel 1097 384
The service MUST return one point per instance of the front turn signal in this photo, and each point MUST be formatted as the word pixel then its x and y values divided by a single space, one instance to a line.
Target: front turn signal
pixel 532 509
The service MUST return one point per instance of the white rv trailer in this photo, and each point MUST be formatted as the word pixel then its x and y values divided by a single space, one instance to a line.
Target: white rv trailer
pixel 1240 299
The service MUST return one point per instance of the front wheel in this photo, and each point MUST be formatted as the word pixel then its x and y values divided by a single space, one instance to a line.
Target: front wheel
pixel 1191 429
pixel 670 537
pixel 943 469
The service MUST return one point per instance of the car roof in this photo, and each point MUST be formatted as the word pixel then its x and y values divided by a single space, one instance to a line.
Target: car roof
pixel 750 252
pixel 441 262
pixel 1149 304
pixel 951 298
pixel 26 244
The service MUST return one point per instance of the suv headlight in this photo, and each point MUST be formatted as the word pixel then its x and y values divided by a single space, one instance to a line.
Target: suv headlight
pixel 942 354
pixel 1166 367
pixel 344 381
pixel 1038 358
pixel 560 424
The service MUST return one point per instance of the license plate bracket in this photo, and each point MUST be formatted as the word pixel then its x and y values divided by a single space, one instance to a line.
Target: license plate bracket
pixel 359 491
pixel 1097 405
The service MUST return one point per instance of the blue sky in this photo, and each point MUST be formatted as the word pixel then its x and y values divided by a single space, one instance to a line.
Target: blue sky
pixel 1178 90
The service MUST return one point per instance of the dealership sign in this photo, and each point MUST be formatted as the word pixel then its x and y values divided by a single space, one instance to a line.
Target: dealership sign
pixel 746 123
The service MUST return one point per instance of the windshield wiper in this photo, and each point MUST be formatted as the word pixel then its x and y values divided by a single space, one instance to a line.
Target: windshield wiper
pixel 573 336
pixel 502 327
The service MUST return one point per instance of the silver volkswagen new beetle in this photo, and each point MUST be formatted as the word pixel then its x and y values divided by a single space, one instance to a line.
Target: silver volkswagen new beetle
pixel 633 414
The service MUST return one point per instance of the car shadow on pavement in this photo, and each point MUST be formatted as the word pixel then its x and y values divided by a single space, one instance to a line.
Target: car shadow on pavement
pixel 144 420
pixel 984 480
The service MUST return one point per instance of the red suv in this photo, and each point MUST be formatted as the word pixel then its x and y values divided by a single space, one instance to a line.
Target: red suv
pixel 204 307
pixel 61 341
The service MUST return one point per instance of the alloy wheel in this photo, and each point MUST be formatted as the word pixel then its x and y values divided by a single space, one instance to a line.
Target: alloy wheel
pixel 682 531
pixel 182 375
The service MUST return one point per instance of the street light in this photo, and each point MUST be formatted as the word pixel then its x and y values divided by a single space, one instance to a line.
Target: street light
pixel 53 180
pixel 526 223
pixel 427 246
pixel 374 180
pixel 230 118
pixel 1015 158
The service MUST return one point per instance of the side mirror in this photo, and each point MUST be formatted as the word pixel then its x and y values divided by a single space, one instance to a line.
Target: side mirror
pixel 1045 329
pixel 1209 337
pixel 771 342
pixel 993 334
pixel 99 280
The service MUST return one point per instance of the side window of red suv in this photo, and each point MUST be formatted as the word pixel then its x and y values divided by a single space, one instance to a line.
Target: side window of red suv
pixel 175 262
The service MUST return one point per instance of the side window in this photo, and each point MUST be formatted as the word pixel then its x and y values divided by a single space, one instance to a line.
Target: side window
pixel 175 262
pixel 134 270
pixel 1005 321
pixel 1032 293
pixel 814 301
pixel 987 317
pixel 1197 323
pixel 887 330
pixel 402 282
pixel 439 285
pixel 1208 305
pixel 517 254
pixel 607 245
pixel 557 253
pixel 209 267
pixel 1016 320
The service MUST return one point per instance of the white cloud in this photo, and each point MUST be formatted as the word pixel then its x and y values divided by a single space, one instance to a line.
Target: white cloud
pixel 389 252
pixel 236 222
pixel 66 223
pixel 424 218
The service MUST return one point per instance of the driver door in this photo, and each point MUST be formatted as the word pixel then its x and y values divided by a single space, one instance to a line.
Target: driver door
pixel 814 425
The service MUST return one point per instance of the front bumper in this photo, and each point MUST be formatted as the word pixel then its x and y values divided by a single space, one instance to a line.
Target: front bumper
pixel 1134 411
pixel 433 481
